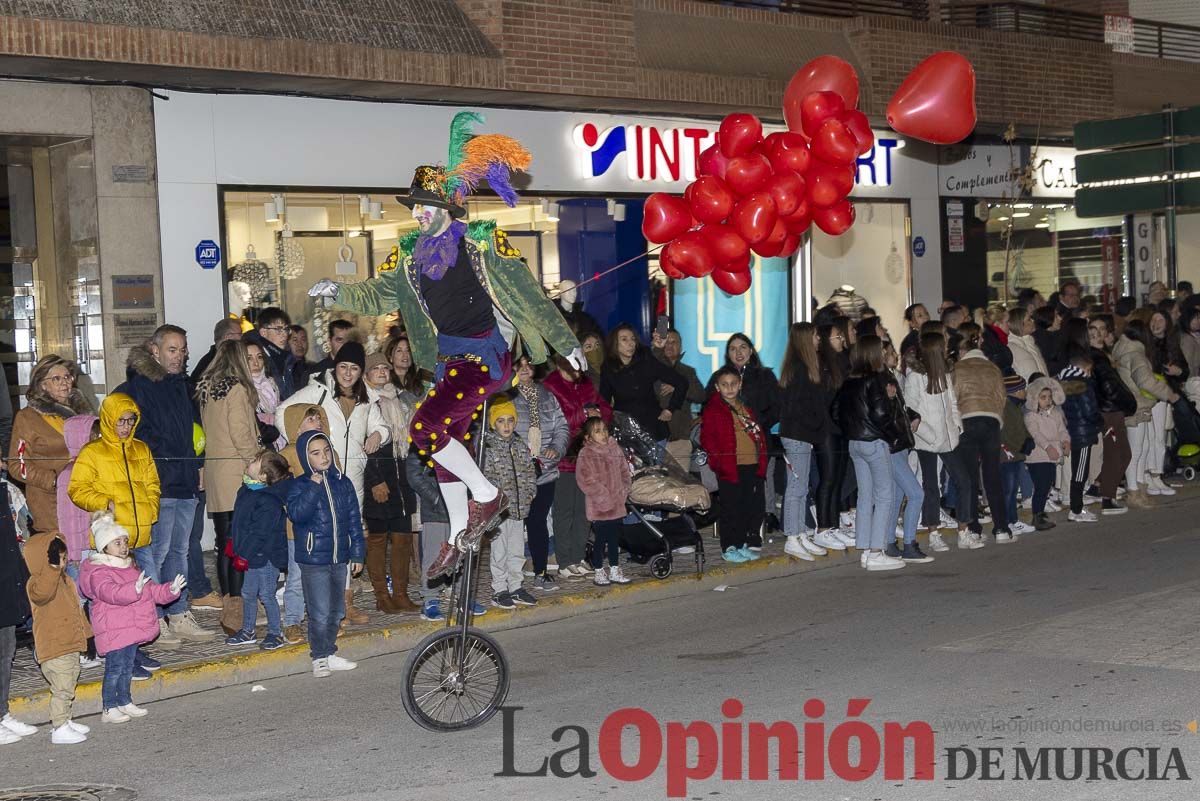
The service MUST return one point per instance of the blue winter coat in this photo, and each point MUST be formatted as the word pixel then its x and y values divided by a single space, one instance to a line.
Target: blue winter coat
pixel 166 418
pixel 1081 408
pixel 326 521
pixel 260 525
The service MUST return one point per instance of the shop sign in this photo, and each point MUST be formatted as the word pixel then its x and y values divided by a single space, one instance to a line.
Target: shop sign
pixel 670 155
pixel 1143 251
pixel 1054 172
pixel 1118 32
pixel 1110 270
pixel 954 230
pixel 208 254
pixel 979 171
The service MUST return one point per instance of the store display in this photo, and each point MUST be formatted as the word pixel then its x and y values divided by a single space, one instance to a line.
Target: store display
pixel 256 275
pixel 289 255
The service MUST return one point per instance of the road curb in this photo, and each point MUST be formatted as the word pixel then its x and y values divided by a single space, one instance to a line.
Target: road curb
pixel 245 667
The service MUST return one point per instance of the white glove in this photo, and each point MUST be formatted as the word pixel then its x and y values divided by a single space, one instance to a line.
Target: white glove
pixel 178 583
pixel 142 581
pixel 578 360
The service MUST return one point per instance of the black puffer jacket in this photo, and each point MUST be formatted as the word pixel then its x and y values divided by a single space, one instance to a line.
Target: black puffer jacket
pixel 902 420
pixel 864 411
pixel 1111 393
pixel 1080 407
pixel 804 410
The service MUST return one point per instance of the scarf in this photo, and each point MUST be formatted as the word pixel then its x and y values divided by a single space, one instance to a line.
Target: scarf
pixel 437 254
pixel 529 391
pixel 268 396
pixel 252 483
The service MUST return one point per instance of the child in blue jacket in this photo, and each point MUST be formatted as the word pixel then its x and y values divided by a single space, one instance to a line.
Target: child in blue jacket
pixel 259 542
pixel 327 529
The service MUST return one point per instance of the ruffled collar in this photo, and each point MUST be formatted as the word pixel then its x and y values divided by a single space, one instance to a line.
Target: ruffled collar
pixel 434 255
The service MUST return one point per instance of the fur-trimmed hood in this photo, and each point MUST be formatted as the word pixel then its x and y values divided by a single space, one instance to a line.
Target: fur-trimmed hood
pixel 1035 389
pixel 142 362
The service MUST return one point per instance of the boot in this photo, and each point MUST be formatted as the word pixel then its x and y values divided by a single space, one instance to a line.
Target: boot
pixel 231 614
pixel 402 553
pixel 1137 499
pixel 354 616
pixel 377 572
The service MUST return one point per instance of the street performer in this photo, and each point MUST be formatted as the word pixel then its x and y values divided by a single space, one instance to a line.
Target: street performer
pixel 464 296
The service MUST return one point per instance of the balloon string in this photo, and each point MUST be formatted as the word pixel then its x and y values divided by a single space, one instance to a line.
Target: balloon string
pixel 599 275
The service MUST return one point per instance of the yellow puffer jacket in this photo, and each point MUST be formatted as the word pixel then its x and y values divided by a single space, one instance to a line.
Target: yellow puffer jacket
pixel 122 473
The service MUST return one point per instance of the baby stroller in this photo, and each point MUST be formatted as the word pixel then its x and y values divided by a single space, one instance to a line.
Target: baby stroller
pixel 664 502
pixel 1185 456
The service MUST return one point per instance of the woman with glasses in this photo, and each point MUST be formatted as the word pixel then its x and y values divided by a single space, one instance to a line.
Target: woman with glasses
pixel 38 452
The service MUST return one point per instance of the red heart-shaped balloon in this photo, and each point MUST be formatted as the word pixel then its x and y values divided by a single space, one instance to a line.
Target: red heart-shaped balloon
pixel 738 265
pixel 773 244
pixel 738 135
pixel 665 217
pixel 691 254
pixel 790 245
pixel 799 221
pixel 745 175
pixel 787 190
pixel 936 102
pixel 790 152
pixel 827 184
pixel 731 283
pixel 754 217
pixel 860 126
pixel 818 107
pixel 726 243
pixel 835 220
pixel 834 143
pixel 668 266
pixel 823 73
pixel 712 162
pixel 710 199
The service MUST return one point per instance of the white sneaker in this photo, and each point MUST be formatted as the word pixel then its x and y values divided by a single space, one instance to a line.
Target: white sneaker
pixel 617 576
pixel 1005 538
pixel 794 549
pixel 1052 506
pixel 936 543
pixel 807 544
pixel 85 663
pixel 1019 528
pixel 600 578
pixel 166 637
pixel 336 662
pixel 79 727
pixel 583 569
pixel 8 738
pixel 1027 503
pixel 945 520
pixel 564 571
pixel 1156 486
pixel 114 715
pixel 829 539
pixel 133 710
pixel 17 727
pixel 185 627
pixel 321 668
pixel 1083 517
pixel 846 519
pixel 65 735
pixel 984 518
pixel 878 560
pixel 846 536
pixel 969 541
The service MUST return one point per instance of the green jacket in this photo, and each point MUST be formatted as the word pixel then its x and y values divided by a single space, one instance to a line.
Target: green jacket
pixel 514 291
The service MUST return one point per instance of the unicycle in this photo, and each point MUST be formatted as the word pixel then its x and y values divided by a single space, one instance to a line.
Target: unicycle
pixel 456 678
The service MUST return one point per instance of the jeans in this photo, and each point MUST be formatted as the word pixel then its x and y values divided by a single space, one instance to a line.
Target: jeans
pixel 118 676
pixel 198 583
pixel 8 647
pixel 144 558
pixel 795 497
pixel 1025 482
pixel 906 488
pixel 536 529
pixel 876 493
pixel 325 597
pixel 831 467
pixel 1042 474
pixel 979 448
pixel 931 512
pixel 1010 478
pixel 259 585
pixel 606 542
pixel 169 540
pixel 293 590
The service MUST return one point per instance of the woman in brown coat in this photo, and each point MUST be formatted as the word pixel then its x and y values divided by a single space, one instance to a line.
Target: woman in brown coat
pixel 38 452
pixel 227 401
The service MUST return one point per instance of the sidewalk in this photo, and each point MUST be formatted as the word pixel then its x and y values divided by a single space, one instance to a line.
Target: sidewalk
pixel 195 667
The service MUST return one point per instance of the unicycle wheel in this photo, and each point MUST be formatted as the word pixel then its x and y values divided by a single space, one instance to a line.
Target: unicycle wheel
pixel 439 696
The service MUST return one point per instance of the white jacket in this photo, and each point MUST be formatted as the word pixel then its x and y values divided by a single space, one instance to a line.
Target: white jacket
pixel 940 422
pixel 347 436
pixel 1027 356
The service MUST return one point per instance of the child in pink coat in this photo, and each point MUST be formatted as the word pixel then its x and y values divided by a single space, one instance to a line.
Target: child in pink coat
pixel 603 475
pixel 124 612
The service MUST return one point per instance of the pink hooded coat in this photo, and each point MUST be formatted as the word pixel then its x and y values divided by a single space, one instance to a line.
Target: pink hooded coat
pixel 73 522
pixel 121 617
pixel 603 476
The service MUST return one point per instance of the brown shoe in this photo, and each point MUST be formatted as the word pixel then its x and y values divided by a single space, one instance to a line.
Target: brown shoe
pixel 354 615
pixel 446 561
pixel 482 518
pixel 401 556
pixel 293 634
pixel 210 601
pixel 231 614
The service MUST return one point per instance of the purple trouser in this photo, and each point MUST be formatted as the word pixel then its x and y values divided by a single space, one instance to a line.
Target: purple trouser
pixel 454 403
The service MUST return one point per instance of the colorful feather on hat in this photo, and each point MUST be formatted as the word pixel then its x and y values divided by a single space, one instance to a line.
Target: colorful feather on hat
pixel 490 157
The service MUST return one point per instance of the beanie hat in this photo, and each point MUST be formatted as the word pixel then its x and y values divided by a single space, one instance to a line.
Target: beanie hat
pixel 353 353
pixel 1013 384
pixel 105 530
pixel 373 360
pixel 500 407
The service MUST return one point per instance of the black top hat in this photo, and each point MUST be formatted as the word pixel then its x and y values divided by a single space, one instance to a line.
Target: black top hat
pixel 428 189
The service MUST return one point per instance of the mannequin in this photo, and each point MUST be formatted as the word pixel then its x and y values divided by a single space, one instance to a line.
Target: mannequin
pixel 848 302
pixel 239 300
pixel 566 294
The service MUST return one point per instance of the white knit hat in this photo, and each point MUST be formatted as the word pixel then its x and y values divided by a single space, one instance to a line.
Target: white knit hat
pixel 105 530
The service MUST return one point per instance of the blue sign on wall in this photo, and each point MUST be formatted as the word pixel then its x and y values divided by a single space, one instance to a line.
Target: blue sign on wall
pixel 208 254
pixel 918 246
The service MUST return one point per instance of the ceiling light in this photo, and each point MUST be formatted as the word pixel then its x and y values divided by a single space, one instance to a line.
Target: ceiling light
pixel 1002 219
pixel 1042 225
pixel 619 213
pixel 1020 214
pixel 550 210
pixel 269 210
pixel 280 204
pixel 364 205
pixel 612 207
pixel 375 211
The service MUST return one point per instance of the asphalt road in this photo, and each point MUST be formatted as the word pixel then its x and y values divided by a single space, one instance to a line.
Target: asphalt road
pixel 1085 636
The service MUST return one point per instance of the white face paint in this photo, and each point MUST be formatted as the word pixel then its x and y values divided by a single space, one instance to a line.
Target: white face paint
pixel 430 219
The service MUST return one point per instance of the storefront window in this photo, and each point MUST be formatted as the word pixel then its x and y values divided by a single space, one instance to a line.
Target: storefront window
pixel 50 284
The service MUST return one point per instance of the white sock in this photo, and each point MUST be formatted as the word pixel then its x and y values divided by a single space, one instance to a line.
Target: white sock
pixel 455 496
pixel 455 458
